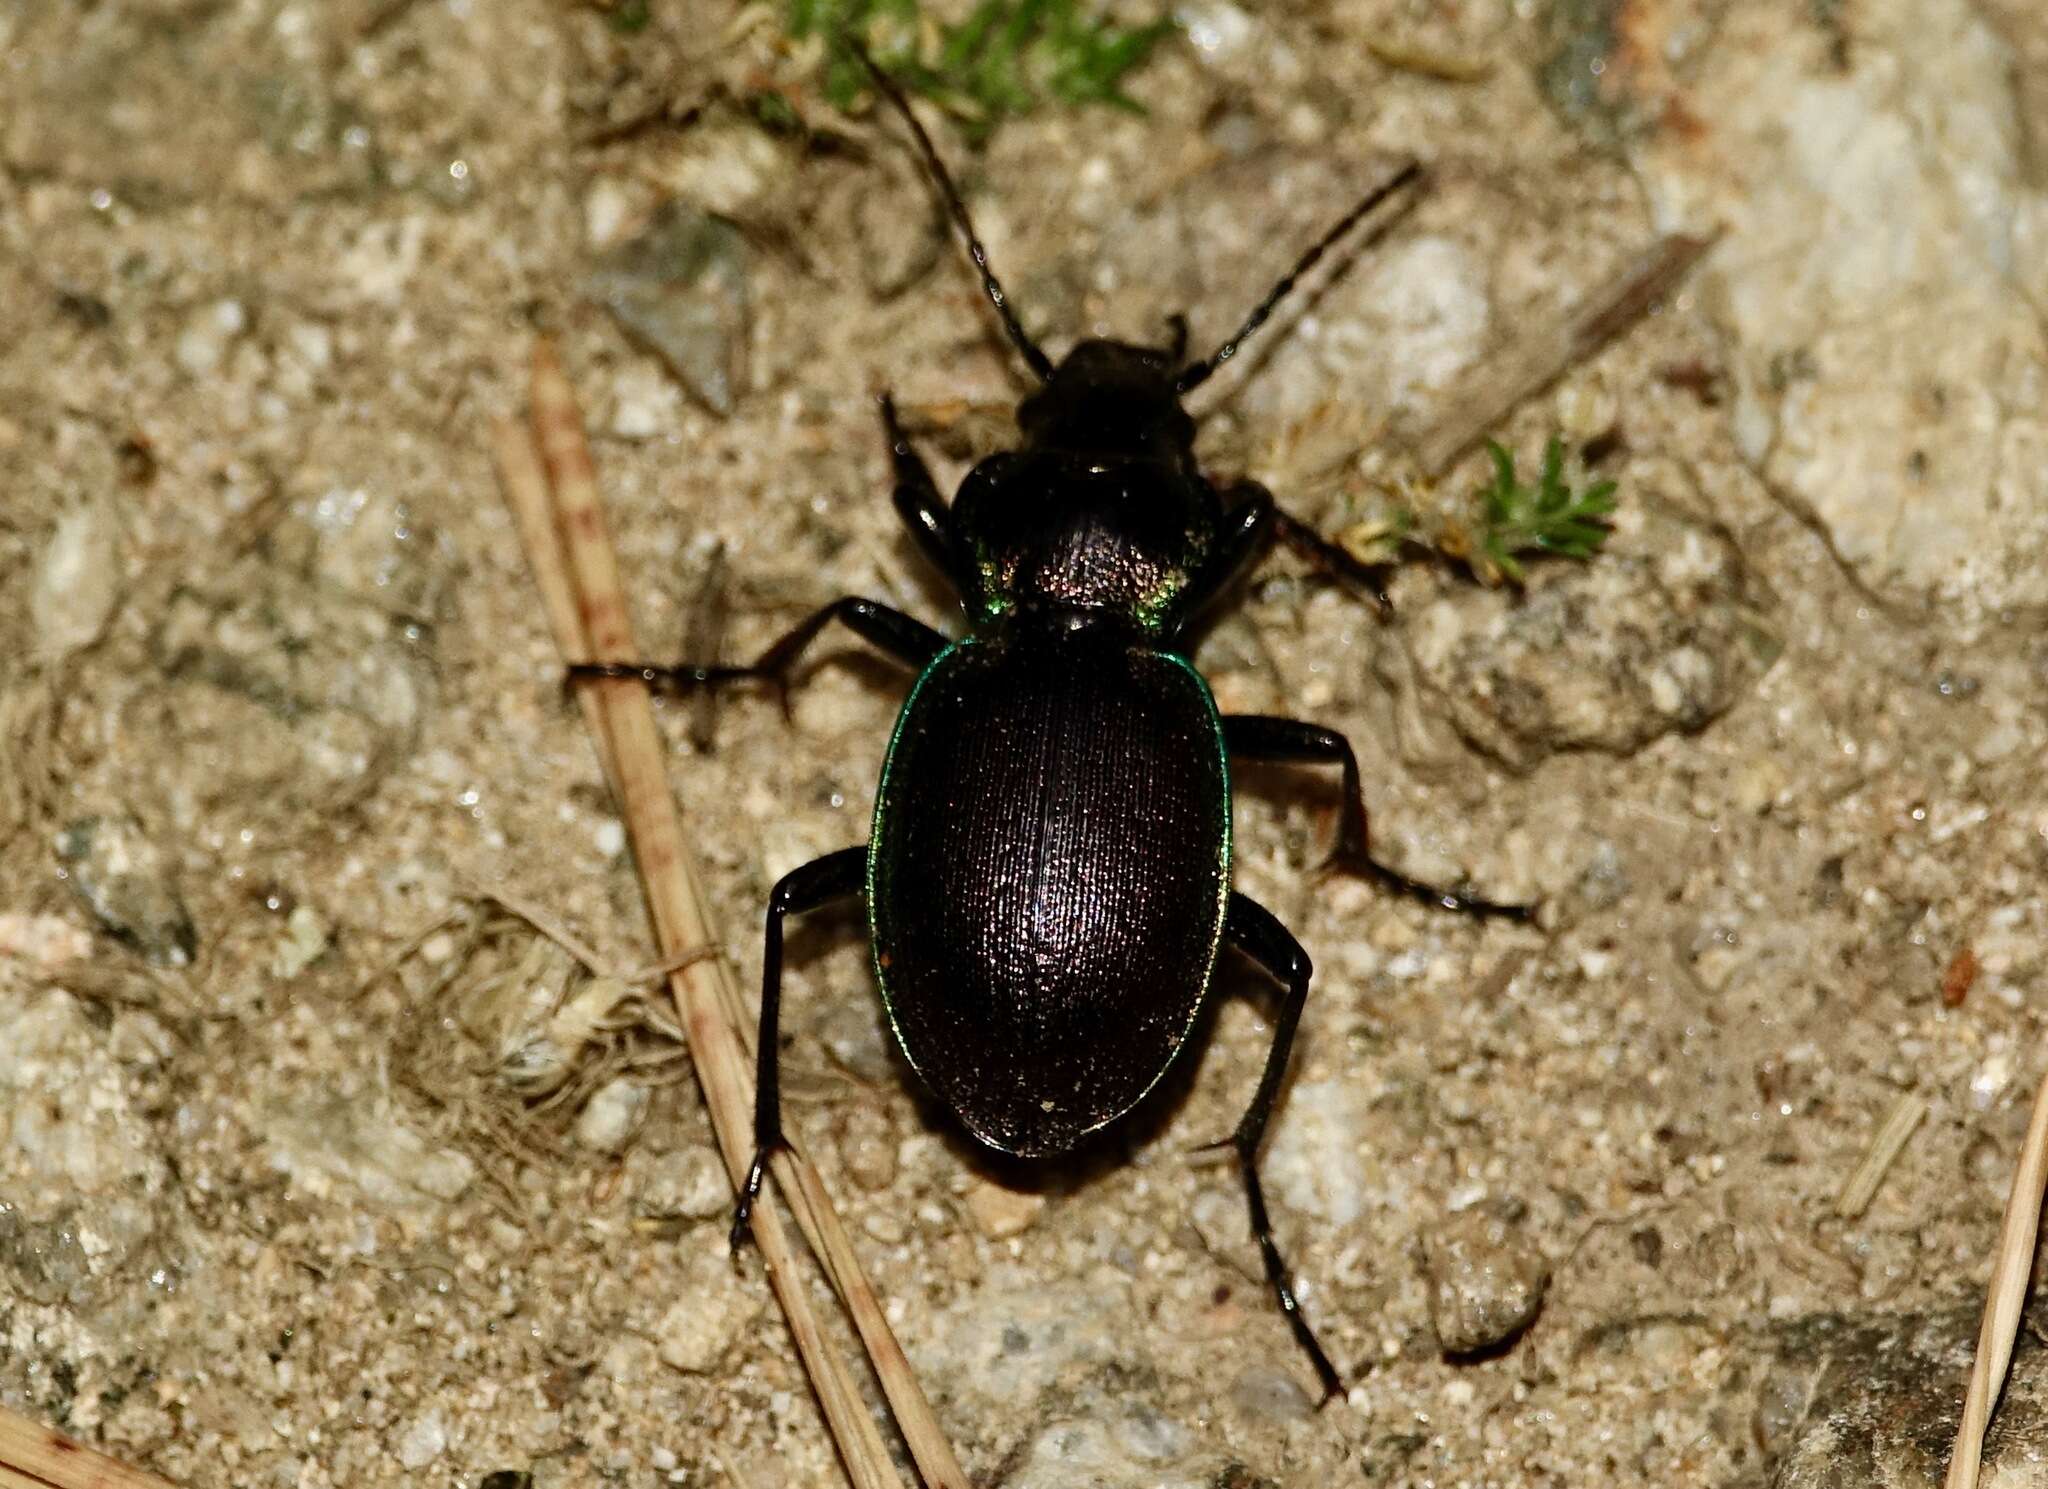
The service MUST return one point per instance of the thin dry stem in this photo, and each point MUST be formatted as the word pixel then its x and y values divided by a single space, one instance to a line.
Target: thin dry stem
pixel 527 493
pixel 552 490
pixel 1886 1144
pixel 591 622
pixel 2007 1299
pixel 1537 357
pixel 33 1456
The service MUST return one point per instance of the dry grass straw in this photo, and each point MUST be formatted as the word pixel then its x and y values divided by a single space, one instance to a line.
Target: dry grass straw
pixel 33 1456
pixel 1540 354
pixel 551 484
pixel 1886 1144
pixel 2007 1300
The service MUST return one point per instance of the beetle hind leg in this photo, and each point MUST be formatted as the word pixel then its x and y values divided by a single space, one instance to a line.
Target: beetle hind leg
pixel 836 876
pixel 1253 930
pixel 1291 741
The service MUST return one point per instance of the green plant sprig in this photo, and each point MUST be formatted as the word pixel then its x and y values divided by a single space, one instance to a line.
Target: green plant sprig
pixel 1547 518
pixel 1004 60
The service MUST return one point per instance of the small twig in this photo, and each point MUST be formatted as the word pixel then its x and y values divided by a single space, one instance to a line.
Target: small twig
pixel 1536 358
pixel 551 484
pixel 591 622
pixel 1885 1146
pixel 666 967
pixel 33 1456
pixel 634 977
pixel 2007 1298
pixel 533 509
pixel 553 930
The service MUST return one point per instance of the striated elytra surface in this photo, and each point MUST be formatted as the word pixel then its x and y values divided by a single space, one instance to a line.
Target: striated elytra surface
pixel 1049 866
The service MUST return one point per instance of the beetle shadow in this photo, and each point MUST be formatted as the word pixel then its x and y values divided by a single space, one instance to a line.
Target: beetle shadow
pixel 825 932
pixel 1113 1146
pixel 885 677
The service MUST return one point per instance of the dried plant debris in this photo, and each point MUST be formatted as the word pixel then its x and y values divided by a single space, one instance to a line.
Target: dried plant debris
pixel 1005 59
pixel 1513 521
pixel 528 1043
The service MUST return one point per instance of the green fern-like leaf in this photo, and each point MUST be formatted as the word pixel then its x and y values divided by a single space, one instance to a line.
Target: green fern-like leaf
pixel 1546 518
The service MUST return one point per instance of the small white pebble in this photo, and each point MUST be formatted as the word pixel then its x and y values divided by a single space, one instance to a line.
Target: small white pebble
pixel 613 1115
pixel 204 341
pixel 423 1441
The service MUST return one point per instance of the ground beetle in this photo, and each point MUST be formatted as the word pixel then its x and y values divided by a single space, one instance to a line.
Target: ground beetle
pixel 1048 879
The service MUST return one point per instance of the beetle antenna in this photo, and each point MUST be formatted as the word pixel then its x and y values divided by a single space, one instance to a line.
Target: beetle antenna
pixel 1036 359
pixel 1195 374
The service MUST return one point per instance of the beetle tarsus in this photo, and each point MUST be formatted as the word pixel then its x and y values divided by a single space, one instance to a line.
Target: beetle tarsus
pixel 743 1211
pixel 1254 522
pixel 836 876
pixel 1278 1276
pixel 1295 742
pixel 579 672
pixel 1458 897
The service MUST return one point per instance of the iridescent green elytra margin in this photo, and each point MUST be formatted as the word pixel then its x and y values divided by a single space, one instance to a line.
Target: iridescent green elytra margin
pixel 1036 1047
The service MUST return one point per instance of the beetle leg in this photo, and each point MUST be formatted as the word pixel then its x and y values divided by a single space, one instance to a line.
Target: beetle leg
pixel 919 504
pixel 1248 526
pixel 1331 560
pixel 1253 520
pixel 1327 557
pixel 1176 341
pixel 836 876
pixel 1260 737
pixel 909 641
pixel 1253 930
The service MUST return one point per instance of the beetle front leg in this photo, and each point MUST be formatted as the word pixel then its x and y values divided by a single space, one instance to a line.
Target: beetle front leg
pixel 836 876
pixel 1292 741
pixel 1253 930
pixel 1331 560
pixel 1247 528
pixel 1252 522
pixel 909 641
pixel 1328 558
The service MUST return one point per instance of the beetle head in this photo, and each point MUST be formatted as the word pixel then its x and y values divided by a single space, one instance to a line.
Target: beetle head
pixel 1110 396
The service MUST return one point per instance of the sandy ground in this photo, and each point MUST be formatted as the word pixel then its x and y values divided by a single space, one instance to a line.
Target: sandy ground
pixel 308 1179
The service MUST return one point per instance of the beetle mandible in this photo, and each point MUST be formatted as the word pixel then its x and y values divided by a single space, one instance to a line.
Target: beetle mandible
pixel 1048 875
